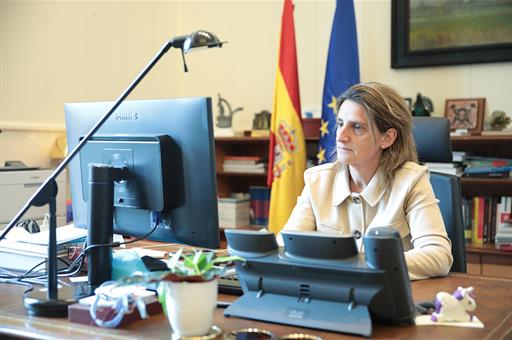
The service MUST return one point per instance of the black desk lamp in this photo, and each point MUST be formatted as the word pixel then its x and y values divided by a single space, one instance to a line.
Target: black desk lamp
pixel 53 301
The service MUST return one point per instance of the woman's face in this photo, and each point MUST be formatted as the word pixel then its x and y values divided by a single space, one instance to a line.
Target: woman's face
pixel 356 144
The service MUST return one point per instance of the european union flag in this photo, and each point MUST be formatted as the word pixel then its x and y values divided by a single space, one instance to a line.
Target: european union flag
pixel 342 71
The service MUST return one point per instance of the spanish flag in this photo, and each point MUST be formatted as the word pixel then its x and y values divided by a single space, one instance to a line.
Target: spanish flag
pixel 287 153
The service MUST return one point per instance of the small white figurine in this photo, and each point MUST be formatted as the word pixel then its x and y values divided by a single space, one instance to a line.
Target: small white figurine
pixel 454 307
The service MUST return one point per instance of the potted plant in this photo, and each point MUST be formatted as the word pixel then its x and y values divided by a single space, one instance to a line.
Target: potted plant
pixel 188 290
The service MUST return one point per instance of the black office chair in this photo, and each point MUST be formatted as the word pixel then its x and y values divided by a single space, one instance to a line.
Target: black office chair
pixel 432 137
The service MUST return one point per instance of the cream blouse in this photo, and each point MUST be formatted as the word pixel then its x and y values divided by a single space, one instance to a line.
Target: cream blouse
pixel 327 205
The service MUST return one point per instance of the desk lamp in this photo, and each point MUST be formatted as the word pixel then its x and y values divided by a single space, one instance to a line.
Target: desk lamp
pixel 53 301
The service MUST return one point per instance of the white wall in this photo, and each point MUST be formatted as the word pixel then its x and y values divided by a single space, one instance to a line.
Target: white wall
pixel 57 52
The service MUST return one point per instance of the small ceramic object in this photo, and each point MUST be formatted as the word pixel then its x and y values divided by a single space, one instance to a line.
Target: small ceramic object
pixel 454 307
pixel 225 120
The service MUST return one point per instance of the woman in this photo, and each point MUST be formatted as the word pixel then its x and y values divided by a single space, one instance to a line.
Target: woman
pixel 376 182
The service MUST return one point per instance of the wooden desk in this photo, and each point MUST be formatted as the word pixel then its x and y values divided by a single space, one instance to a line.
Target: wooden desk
pixel 493 296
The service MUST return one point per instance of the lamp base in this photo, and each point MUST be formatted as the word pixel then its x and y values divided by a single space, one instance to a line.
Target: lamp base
pixel 37 302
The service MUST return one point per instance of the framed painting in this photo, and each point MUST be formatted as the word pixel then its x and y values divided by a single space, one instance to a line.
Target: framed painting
pixel 465 114
pixel 447 32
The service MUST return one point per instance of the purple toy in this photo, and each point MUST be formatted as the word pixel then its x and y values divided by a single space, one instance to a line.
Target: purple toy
pixel 454 307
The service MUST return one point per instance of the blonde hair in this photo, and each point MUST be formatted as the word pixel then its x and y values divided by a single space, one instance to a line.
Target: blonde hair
pixel 385 109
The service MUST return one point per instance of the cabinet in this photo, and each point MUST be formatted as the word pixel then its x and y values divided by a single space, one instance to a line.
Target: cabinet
pixel 486 259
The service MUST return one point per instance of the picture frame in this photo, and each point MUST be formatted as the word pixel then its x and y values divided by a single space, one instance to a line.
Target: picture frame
pixel 466 113
pixel 446 32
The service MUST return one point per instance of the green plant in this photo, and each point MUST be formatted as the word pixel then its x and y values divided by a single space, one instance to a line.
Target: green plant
pixel 199 264
pixel 195 267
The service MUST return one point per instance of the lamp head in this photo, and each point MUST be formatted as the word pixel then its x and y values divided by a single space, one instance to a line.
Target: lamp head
pixel 196 40
pixel 193 42
pixel 199 40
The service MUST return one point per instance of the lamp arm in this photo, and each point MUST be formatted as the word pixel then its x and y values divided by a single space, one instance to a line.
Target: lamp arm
pixel 177 42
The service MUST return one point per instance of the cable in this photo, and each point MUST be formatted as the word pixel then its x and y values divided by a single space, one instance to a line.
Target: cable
pixel 39 277
pixel 29 225
pixel 425 307
pixel 155 216
pixel 30 274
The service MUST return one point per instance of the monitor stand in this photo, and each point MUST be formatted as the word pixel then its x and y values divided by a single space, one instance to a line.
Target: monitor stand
pixel 100 219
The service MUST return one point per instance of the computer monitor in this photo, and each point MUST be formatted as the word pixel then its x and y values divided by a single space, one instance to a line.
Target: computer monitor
pixel 167 147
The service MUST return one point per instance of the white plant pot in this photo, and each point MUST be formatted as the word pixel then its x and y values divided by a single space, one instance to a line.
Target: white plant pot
pixel 190 306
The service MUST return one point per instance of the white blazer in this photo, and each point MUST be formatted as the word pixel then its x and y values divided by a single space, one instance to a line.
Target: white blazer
pixel 327 205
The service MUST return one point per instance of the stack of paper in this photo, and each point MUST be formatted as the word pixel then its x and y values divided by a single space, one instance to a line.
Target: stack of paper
pixel 233 212
pixel 21 250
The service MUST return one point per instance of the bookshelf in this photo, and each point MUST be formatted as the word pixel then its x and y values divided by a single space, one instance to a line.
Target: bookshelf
pixel 482 259
pixel 228 182
pixel 485 259
pixel 489 146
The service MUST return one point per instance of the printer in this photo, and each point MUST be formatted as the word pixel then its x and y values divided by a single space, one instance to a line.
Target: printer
pixel 17 184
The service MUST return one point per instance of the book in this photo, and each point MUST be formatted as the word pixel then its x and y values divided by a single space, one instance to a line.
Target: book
pixel 259 205
pixel 253 169
pixel 243 164
pixel 492 218
pixel 487 161
pixel 242 159
pixel 441 165
pixel 487 169
pixel 488 175
pixel 476 217
pixel 468 221
pixel 453 168
pixel 485 220
pixel 503 214
pixel 449 171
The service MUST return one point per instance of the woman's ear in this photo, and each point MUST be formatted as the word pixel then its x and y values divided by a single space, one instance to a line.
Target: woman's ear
pixel 388 138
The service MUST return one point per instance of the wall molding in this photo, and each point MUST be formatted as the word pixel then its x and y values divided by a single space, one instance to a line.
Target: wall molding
pixel 18 126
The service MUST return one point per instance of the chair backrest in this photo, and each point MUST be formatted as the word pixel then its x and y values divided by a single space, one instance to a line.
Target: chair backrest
pixel 432 137
pixel 447 190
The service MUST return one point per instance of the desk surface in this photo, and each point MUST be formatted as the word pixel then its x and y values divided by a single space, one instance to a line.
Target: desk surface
pixel 493 296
